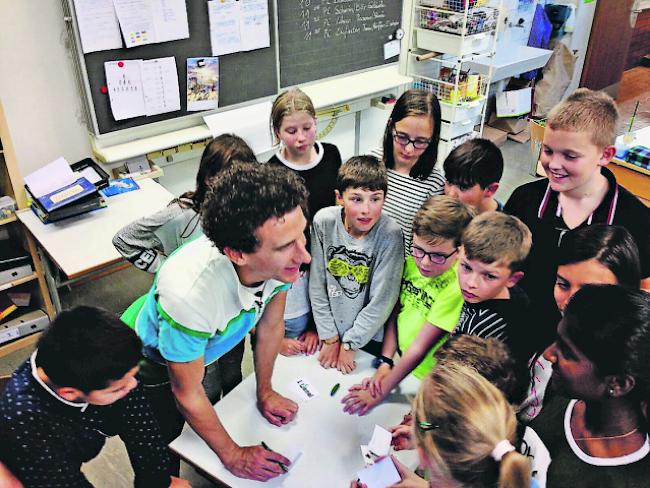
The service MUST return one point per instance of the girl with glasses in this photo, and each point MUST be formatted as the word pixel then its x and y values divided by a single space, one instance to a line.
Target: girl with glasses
pixel 410 153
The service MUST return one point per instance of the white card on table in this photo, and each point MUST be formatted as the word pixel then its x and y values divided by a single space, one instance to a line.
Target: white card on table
pixel 382 474
pixel 304 389
pixel 379 445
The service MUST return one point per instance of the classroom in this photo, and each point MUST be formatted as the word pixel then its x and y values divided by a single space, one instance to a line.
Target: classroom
pixel 364 243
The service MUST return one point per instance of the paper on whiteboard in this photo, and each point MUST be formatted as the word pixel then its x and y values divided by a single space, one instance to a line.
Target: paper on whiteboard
pixel 170 20
pixel 124 83
pixel 98 26
pixel 251 123
pixel 136 21
pixel 51 177
pixel 254 25
pixel 224 17
pixel 160 86
pixel 202 83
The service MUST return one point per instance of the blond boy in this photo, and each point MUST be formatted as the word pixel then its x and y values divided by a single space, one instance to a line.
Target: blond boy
pixel 579 191
pixel 429 302
pixel 493 251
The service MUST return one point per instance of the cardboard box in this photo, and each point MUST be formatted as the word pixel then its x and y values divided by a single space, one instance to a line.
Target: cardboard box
pixel 511 125
pixel 513 103
pixel 523 136
pixel 498 137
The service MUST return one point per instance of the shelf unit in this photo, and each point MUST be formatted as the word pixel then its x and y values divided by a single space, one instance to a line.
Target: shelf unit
pixel 445 36
pixel 11 183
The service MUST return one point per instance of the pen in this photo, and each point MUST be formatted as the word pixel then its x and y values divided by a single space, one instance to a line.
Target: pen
pixel 282 466
pixel 335 388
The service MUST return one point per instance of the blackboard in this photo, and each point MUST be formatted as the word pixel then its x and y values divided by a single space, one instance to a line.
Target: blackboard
pixel 242 76
pixel 306 51
pixel 323 38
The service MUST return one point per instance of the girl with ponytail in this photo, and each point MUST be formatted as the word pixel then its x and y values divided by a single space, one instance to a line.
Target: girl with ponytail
pixel 464 431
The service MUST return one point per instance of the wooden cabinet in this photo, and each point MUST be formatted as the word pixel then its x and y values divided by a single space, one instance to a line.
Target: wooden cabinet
pixel 11 184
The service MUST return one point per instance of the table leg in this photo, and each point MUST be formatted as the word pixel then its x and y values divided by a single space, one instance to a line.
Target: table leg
pixel 50 277
pixel 357 131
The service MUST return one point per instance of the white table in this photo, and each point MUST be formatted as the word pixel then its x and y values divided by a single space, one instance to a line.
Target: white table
pixel 81 246
pixel 328 438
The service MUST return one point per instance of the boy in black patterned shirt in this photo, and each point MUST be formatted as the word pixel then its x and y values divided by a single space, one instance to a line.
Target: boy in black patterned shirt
pixel 494 249
pixel 76 389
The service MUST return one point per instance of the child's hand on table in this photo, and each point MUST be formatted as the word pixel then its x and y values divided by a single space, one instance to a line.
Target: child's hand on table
pixel 291 347
pixel 346 363
pixel 310 341
pixel 374 384
pixel 360 401
pixel 329 355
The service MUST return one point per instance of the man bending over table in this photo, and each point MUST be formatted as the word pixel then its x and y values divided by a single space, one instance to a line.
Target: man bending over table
pixel 210 293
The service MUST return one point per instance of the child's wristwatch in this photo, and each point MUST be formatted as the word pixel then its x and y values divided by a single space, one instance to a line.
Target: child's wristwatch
pixel 332 340
pixel 379 360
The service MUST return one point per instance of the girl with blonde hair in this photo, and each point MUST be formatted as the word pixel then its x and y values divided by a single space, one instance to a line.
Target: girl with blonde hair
pixel 465 430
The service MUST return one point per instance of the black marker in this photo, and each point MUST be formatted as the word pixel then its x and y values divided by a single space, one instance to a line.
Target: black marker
pixel 282 465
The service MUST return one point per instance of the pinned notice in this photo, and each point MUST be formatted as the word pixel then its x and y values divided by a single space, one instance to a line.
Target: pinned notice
pixel 98 26
pixel 137 87
pixel 150 21
pixel 238 25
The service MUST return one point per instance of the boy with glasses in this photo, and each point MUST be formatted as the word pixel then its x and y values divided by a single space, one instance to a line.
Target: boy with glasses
pixel 357 255
pixel 429 304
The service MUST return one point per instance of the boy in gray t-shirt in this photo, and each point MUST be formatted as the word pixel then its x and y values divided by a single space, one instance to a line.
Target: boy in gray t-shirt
pixel 357 258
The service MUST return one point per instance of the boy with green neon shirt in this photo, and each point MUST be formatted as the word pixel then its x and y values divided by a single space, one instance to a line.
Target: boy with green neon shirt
pixel 429 304
pixel 356 265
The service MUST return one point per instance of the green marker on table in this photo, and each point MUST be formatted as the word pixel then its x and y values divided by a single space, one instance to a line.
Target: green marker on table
pixel 335 389
pixel 282 465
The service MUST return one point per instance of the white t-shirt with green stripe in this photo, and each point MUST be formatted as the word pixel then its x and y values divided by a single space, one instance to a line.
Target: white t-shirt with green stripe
pixel 197 306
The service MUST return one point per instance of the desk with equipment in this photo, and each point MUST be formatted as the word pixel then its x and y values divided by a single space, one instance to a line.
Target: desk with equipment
pixel 327 439
pixel 81 247
pixel 633 176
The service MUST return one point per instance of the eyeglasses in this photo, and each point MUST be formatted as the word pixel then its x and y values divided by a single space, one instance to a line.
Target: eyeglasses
pixel 404 140
pixel 434 257
pixel 340 268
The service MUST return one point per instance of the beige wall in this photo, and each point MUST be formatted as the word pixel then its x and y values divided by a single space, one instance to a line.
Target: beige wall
pixel 37 85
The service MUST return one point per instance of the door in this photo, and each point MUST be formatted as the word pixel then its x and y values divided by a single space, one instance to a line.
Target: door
pixel 609 41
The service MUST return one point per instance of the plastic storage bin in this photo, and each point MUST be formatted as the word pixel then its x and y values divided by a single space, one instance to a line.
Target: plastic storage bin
pixel 441 42
pixel 455 22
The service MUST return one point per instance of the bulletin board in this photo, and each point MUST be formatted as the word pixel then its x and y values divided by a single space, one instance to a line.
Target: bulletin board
pixel 317 39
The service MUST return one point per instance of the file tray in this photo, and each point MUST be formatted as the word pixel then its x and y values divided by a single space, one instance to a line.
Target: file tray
pixel 92 171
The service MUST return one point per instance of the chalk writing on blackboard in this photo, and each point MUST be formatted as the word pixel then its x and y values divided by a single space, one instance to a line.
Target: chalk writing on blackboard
pixel 321 38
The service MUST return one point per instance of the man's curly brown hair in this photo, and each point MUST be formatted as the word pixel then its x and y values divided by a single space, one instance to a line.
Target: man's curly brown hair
pixel 241 198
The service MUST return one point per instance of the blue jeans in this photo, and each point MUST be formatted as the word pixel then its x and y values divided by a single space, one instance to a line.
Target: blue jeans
pixel 296 326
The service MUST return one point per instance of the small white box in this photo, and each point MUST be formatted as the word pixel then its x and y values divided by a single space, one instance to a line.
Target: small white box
pixel 16 273
pixel 451 130
pixel 442 42
pixel 26 324
pixel 463 111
